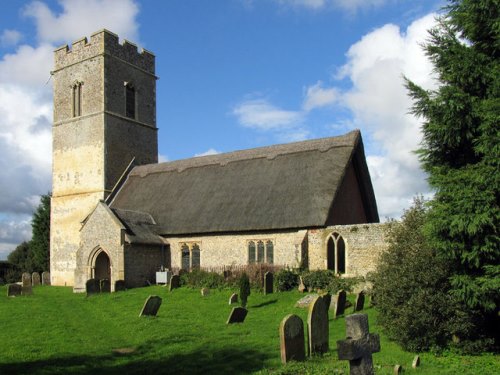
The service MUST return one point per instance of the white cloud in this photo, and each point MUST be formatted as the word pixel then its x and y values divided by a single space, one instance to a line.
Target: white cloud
pixel 210 151
pixel 10 37
pixel 13 232
pixel 350 6
pixel 83 17
pixel 162 158
pixel 316 96
pixel 261 115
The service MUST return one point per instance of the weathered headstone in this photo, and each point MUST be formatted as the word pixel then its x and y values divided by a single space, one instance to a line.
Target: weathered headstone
pixel 233 298
pixel 26 279
pixel 306 300
pixel 120 286
pixel 327 299
pixel 360 302
pixel 45 278
pixel 317 327
pixel 151 306
pixel 92 286
pixel 398 369
pixel 237 315
pixel 14 290
pixel 35 279
pixel 416 362
pixel 292 339
pixel 205 292
pixel 268 282
pixel 105 285
pixel 340 299
pixel 174 282
pixel 359 345
pixel 27 290
pixel 302 287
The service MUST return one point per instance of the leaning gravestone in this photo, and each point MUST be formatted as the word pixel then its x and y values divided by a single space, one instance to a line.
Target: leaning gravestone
pixel 27 290
pixel 45 278
pixel 120 286
pixel 233 298
pixel 340 299
pixel 105 286
pixel 92 286
pixel 359 345
pixel 360 302
pixel 14 290
pixel 237 315
pixel 151 306
pixel 35 279
pixel 205 292
pixel 174 282
pixel 26 279
pixel 317 327
pixel 268 283
pixel 416 362
pixel 292 339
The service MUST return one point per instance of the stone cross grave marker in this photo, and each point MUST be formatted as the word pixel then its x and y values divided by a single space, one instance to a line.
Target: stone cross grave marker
pixel 35 279
pixel 27 290
pixel 26 279
pixel 340 299
pixel 292 339
pixel 317 327
pixel 14 290
pixel 105 286
pixel 174 282
pixel 360 302
pixel 359 345
pixel 92 287
pixel 268 282
pixel 233 298
pixel 45 278
pixel 120 286
pixel 151 306
pixel 205 292
pixel 237 315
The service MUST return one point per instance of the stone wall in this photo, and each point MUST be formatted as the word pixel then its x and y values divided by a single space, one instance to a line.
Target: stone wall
pixel 141 264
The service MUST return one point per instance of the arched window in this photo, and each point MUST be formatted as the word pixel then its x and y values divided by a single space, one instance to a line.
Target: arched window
pixel 269 252
pixel 336 254
pixel 77 99
pixel 129 100
pixel 251 252
pixel 260 252
pixel 185 261
pixel 195 256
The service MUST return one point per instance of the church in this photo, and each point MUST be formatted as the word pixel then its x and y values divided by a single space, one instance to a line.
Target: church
pixel 118 214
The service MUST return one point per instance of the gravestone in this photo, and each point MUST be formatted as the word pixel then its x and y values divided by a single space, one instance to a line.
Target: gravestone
pixel 302 287
pixel 317 327
pixel 340 299
pixel 27 290
pixel 151 306
pixel 292 339
pixel 120 286
pixel 268 282
pixel 416 362
pixel 233 298
pixel 105 286
pixel 92 286
pixel 306 300
pixel 398 369
pixel 237 315
pixel 45 278
pixel 35 279
pixel 359 345
pixel 360 302
pixel 174 282
pixel 205 292
pixel 327 299
pixel 14 290
pixel 26 279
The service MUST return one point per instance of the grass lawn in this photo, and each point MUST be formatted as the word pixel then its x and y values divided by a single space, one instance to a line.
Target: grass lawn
pixel 58 332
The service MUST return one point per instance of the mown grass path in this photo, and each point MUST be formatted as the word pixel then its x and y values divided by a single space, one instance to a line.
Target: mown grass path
pixel 58 332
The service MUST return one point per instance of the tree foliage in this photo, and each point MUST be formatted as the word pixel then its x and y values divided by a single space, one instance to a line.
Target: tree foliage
pixel 40 240
pixel 461 148
pixel 21 258
pixel 244 289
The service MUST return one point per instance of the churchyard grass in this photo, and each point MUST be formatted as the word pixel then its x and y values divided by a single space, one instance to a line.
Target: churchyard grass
pixel 57 332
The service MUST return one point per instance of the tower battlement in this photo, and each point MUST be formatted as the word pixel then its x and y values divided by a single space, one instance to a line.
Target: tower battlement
pixel 103 42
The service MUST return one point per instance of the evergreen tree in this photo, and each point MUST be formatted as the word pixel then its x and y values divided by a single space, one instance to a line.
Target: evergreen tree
pixel 21 258
pixel 461 148
pixel 40 240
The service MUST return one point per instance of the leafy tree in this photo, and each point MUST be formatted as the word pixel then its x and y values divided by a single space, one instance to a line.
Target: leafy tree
pixel 461 149
pixel 21 258
pixel 40 240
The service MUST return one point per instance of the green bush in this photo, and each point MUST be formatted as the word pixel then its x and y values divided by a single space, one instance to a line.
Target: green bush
pixel 343 283
pixel 318 279
pixel 202 279
pixel 286 280
pixel 244 289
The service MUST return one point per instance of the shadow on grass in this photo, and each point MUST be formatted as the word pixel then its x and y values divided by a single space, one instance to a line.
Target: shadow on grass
pixel 264 303
pixel 147 360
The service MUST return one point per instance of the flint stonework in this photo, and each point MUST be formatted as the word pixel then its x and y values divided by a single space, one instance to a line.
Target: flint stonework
pixel 292 339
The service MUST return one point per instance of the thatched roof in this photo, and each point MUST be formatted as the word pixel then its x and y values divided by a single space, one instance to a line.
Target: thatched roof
pixel 269 188
pixel 140 227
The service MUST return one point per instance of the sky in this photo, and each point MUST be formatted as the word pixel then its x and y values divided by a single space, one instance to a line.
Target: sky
pixel 233 74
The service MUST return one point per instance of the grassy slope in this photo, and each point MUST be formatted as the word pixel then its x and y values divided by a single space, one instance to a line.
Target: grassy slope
pixel 58 332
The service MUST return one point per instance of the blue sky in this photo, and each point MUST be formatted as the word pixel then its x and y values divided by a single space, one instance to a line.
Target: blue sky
pixel 233 74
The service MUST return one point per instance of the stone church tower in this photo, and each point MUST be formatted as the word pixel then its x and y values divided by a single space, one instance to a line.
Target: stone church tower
pixel 104 117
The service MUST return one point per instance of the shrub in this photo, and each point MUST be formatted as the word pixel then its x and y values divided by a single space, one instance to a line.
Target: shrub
pixel 202 279
pixel 318 279
pixel 244 289
pixel 286 280
pixel 343 283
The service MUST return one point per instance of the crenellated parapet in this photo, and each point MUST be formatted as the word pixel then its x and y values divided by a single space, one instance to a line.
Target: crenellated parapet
pixel 103 42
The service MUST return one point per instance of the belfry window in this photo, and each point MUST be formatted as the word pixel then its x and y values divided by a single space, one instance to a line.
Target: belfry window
pixel 335 253
pixel 190 256
pixel 129 100
pixel 261 251
pixel 77 99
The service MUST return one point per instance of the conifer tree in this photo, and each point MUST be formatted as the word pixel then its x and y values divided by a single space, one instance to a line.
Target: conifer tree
pixel 40 240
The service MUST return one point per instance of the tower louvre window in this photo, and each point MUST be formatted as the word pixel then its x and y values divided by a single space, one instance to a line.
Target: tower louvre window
pixel 129 100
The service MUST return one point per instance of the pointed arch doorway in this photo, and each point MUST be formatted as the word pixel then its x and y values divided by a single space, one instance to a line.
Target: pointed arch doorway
pixel 335 254
pixel 102 267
